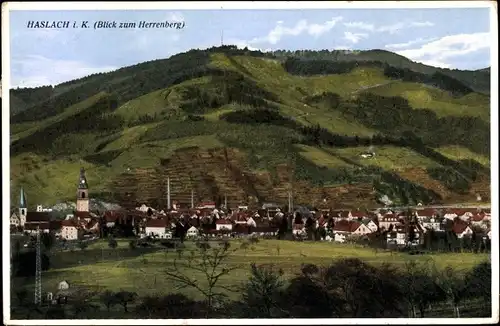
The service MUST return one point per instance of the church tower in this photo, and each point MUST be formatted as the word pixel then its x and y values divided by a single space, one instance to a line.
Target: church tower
pixel 82 197
pixel 23 208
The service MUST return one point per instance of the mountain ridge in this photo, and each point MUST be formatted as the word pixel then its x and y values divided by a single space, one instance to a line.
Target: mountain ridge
pixel 267 117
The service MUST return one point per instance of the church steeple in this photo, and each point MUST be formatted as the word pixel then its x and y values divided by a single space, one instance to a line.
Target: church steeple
pixel 82 183
pixel 82 197
pixel 22 199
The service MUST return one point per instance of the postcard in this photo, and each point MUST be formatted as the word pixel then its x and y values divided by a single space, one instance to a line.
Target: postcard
pixel 250 163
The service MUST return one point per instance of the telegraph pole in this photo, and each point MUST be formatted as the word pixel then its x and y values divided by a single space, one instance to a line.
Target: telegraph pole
pixel 168 193
pixel 38 269
pixel 192 198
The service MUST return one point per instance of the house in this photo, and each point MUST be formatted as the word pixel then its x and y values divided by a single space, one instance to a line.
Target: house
pixel 69 229
pixel 192 232
pixel 156 228
pixel 223 224
pixel 206 205
pixel 264 230
pixel 432 224
pixel 397 236
pixel 350 228
pixel 387 220
pixel 92 225
pixel 426 213
pixel 298 229
pixel 251 222
pixel 39 208
pixel 461 229
pixel 15 220
pixel 370 224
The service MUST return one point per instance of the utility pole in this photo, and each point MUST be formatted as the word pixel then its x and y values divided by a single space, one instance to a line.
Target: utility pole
pixel 225 201
pixel 222 38
pixel 38 269
pixel 192 198
pixel 168 193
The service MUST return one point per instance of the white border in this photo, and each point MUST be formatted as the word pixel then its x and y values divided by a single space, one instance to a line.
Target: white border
pixel 6 7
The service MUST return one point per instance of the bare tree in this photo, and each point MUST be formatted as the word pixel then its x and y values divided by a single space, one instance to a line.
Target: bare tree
pixel 455 288
pixel 212 263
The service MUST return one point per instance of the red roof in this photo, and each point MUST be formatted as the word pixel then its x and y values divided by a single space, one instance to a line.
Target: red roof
pixel 459 227
pixel 477 217
pixel 346 226
pixel 358 214
pixel 156 223
pixel 223 221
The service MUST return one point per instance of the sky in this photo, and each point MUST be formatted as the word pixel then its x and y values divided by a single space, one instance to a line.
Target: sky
pixel 449 38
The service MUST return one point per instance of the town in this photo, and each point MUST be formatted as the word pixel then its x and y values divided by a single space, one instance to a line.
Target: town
pixel 399 228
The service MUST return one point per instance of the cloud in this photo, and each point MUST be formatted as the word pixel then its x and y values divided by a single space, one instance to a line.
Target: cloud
pixel 360 25
pixel 409 43
pixel 36 70
pixel 451 46
pixel 391 29
pixel 354 37
pixel 441 50
pixel 302 26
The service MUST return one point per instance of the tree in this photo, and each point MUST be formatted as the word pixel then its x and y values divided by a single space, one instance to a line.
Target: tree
pixel 124 298
pixel 261 294
pixel 132 244
pixel 478 282
pixel 82 245
pixel 21 295
pixel 112 243
pixel 170 306
pixel 48 240
pixel 455 288
pixel 211 263
pixel 108 298
pixel 420 288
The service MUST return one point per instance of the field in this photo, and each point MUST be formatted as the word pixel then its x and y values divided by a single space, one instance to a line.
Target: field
pixel 141 270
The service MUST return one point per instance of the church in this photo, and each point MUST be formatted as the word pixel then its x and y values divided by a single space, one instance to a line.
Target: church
pixel 82 218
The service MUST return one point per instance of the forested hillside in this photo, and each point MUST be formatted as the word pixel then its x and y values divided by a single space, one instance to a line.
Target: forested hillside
pixel 254 126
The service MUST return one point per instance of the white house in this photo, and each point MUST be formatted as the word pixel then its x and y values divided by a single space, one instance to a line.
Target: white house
pixel 63 285
pixel 156 228
pixel 69 229
pixel 371 225
pixel 251 222
pixel 223 224
pixel 15 220
pixel 192 232
pixel 39 208
pixel 432 224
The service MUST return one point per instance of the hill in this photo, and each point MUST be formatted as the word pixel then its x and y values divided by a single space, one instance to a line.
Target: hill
pixel 254 126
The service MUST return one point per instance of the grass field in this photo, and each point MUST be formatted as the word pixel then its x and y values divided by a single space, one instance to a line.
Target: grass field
pixel 141 270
